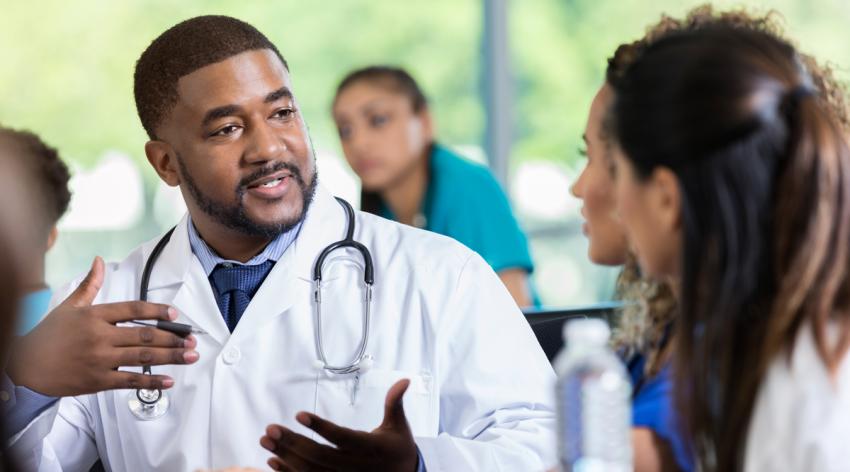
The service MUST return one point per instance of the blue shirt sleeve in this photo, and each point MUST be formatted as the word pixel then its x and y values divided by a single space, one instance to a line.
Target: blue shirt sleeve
pixel 21 405
pixel 653 408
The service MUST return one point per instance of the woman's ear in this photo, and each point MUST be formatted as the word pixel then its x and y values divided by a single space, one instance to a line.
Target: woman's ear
pixel 666 199
pixel 164 161
pixel 427 125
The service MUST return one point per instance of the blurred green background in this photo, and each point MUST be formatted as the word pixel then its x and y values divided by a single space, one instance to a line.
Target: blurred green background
pixel 68 76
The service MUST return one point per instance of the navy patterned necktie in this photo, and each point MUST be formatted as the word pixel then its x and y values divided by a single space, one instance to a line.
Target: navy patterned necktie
pixel 235 286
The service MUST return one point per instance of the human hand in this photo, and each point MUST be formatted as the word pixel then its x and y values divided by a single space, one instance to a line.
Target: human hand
pixel 390 447
pixel 77 348
pixel 231 469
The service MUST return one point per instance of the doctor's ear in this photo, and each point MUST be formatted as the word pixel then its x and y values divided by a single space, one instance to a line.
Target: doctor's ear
pixel 164 161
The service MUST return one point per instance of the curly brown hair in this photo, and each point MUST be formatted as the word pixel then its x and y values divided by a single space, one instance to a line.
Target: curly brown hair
pixel 650 305
pixel 49 172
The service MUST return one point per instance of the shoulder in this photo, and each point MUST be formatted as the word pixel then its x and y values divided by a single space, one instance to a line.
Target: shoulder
pixel 424 249
pixel 452 168
pixel 800 410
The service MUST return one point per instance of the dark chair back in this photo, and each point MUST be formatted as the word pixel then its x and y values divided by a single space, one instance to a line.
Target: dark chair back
pixel 548 325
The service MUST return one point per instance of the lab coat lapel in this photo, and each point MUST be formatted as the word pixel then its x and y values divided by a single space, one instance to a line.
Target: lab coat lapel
pixel 290 281
pixel 178 269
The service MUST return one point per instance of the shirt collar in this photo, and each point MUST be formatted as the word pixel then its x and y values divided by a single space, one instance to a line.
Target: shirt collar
pixel 209 258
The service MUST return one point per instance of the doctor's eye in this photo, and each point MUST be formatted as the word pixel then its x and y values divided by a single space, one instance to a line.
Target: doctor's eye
pixel 225 131
pixel 284 114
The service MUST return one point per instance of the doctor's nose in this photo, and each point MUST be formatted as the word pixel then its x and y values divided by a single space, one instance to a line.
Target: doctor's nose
pixel 265 144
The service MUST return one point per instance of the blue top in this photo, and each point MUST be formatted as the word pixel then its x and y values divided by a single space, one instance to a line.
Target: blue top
pixel 653 408
pixel 33 309
pixel 465 202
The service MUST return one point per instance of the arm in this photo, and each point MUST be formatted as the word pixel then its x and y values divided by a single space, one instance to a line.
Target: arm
pixel 495 399
pixel 652 453
pixel 21 405
pixel 496 403
pixel 483 221
pixel 60 438
pixel 516 281
pixel 77 350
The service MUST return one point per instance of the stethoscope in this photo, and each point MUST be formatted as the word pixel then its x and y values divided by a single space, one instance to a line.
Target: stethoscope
pixel 148 404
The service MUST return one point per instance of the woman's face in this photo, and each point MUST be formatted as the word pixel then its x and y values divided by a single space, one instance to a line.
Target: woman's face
pixel 649 209
pixel 595 187
pixel 382 136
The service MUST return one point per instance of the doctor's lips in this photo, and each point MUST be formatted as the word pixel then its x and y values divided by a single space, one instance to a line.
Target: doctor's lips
pixel 271 186
pixel 270 180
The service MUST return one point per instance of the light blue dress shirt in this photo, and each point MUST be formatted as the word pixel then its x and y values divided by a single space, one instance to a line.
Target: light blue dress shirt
pixel 209 259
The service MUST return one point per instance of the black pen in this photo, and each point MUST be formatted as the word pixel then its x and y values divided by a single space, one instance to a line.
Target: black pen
pixel 179 329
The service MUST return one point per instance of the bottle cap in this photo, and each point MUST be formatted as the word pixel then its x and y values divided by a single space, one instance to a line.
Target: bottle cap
pixel 587 331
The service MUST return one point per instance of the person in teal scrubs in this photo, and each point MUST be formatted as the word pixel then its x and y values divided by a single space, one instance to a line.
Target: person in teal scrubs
pixel 51 177
pixel 387 136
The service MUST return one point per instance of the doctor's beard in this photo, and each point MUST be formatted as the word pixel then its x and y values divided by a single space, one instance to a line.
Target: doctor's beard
pixel 235 217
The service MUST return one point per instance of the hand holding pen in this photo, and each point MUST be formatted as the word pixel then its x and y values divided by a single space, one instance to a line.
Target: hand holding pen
pixel 78 348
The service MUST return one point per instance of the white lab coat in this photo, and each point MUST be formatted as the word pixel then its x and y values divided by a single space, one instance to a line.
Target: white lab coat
pixel 801 417
pixel 481 388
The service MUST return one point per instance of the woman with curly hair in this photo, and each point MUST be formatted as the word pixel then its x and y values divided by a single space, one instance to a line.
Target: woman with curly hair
pixel 733 184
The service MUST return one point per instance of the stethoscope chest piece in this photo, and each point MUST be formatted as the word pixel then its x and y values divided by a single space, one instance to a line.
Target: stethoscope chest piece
pixel 147 404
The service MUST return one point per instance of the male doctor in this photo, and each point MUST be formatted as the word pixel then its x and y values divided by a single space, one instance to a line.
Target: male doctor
pixel 456 382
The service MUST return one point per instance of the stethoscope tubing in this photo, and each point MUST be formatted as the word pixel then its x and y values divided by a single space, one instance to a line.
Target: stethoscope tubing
pixel 368 278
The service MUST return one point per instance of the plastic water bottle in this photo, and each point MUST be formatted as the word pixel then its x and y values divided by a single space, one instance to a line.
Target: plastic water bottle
pixel 594 401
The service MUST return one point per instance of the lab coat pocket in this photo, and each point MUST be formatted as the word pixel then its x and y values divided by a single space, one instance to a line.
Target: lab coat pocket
pixel 359 404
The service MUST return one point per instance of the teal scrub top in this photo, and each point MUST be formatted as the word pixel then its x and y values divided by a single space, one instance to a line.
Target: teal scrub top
pixel 465 202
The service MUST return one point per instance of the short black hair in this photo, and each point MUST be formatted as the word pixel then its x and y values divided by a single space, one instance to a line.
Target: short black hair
pixel 183 49
pixel 396 78
pixel 48 172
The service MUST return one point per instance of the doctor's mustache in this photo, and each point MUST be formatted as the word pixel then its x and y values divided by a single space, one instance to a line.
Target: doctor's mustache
pixel 271 169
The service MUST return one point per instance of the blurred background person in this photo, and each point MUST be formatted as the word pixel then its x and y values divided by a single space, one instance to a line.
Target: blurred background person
pixel 50 177
pixel 20 204
pixel 733 184
pixel 388 138
pixel 509 85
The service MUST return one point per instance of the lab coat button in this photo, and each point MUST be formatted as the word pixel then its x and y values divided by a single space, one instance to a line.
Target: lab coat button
pixel 231 356
pixel 4 395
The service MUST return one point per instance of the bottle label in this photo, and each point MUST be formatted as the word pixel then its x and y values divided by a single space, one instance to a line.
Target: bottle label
pixel 595 420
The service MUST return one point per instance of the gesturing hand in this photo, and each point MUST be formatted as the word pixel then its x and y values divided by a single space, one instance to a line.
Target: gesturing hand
pixel 77 348
pixel 389 448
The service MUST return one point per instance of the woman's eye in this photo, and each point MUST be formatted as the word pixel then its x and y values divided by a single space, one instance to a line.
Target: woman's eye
pixel 344 132
pixel 582 152
pixel 378 120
